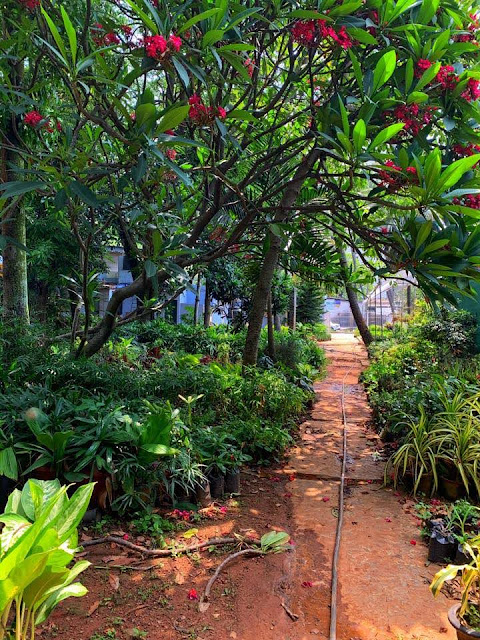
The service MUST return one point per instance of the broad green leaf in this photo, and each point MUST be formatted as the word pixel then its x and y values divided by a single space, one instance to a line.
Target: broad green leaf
pixel 359 135
pixel 212 36
pixel 428 76
pixel 19 187
pixel 384 70
pixel 8 463
pixel 55 33
pixel 85 194
pixel 198 18
pixel 147 21
pixel 71 33
pixel 241 114
pixel 385 135
pixel 173 118
pixel 455 171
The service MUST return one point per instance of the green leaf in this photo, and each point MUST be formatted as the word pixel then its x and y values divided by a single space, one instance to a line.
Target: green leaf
pixel 409 73
pixel 344 115
pixel 428 76
pixel 384 70
pixel 147 21
pixel 423 233
pixel 145 115
pixel 359 135
pixel 173 118
pixel 455 171
pixel 55 33
pixel 198 18
pixel 71 33
pixel 361 35
pixel 386 134
pixel 212 36
pixel 84 193
pixel 75 590
pixel 182 72
pixel 241 114
pixel 8 463
pixel 417 96
pixel 159 449
pixel 19 187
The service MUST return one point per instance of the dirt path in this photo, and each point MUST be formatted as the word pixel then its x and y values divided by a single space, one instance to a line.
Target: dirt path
pixel 383 580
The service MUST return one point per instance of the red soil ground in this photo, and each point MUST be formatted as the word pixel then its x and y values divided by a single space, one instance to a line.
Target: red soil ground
pixel 383 577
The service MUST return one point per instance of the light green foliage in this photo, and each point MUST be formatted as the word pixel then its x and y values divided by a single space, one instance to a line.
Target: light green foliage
pixel 37 546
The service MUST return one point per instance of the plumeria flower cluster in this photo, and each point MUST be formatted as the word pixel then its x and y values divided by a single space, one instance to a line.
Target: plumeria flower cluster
pixel 414 116
pixel 102 38
pixel 446 76
pixel 472 90
pixel 395 178
pixel 471 200
pixel 31 5
pixel 201 114
pixel 314 33
pixel 35 120
pixel 158 47
pixel 472 28
pixel 464 151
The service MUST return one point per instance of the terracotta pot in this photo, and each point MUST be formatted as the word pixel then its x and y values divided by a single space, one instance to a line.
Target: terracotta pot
pixel 43 473
pixel 452 489
pixel 203 495
pixel 463 632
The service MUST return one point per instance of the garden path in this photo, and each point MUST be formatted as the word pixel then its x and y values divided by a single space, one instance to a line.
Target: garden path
pixel 383 581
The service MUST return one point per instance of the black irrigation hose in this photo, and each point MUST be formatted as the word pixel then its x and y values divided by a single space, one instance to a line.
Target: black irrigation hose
pixel 338 536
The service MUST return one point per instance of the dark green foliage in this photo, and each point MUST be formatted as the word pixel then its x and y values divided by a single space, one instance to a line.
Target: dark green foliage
pixel 310 302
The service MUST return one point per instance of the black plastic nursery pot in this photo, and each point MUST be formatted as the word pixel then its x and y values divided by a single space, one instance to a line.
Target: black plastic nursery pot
pixel 203 495
pixel 461 557
pixel 6 487
pixel 463 632
pixel 217 485
pixel 232 481
pixel 440 549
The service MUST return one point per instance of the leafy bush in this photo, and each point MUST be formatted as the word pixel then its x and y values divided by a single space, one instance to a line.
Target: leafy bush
pixel 38 543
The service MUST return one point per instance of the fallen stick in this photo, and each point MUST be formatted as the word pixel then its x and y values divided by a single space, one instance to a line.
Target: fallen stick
pixel 292 615
pixel 214 542
pixel 204 600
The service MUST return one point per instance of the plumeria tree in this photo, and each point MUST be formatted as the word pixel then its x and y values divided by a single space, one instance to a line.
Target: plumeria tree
pixel 192 131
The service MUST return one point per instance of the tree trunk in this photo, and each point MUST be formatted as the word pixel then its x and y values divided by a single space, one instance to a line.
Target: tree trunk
pixel 197 301
pixel 270 260
pixel 270 328
pixel 292 314
pixel 15 285
pixel 207 307
pixel 362 326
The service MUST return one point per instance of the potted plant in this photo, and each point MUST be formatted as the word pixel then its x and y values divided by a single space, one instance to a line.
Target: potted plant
pixel 232 474
pixel 51 447
pixel 462 514
pixel 464 617
pixel 459 439
pixel 417 457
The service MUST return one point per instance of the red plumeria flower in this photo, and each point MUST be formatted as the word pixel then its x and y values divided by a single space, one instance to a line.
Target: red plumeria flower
pixel 34 118
pixel 287 495
pixel 175 43
pixel 31 5
pixel 155 46
pixel 127 29
pixel 307 584
pixel 472 92
pixel 413 542
pixel 223 509
pixel 125 536
pixel 388 519
pixel 325 498
pixel 171 154
pixel 291 478
pixel 192 594
pixel 169 132
pixel 111 38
